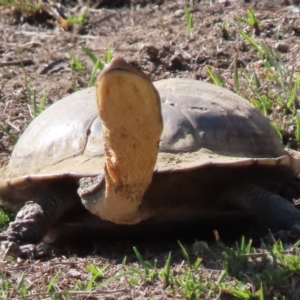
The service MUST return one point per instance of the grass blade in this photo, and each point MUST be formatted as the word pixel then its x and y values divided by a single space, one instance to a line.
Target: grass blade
pixel 252 42
pixel 217 80
pixel 141 261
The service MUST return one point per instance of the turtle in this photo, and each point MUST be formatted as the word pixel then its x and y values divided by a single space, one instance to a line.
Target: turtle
pixel 130 151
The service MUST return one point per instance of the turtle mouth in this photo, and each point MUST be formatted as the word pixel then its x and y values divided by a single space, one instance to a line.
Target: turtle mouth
pixel 130 112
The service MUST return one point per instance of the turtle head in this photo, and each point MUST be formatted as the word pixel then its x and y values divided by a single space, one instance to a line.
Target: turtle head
pixel 130 112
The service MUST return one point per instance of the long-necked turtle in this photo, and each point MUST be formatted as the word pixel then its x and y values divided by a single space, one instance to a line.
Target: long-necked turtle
pixel 216 154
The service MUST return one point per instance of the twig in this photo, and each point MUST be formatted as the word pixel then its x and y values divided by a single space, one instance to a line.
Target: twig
pixel 81 293
pixel 6 105
pixel 13 126
pixel 24 63
pixel 31 33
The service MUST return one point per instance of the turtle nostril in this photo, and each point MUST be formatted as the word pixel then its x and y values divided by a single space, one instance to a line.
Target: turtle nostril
pixel 88 132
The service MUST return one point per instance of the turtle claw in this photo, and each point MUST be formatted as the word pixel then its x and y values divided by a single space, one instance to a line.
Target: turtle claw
pixel 10 249
pixel 29 251
pixel 13 245
pixel 33 251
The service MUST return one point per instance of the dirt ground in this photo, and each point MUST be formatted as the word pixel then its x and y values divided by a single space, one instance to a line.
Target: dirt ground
pixel 34 55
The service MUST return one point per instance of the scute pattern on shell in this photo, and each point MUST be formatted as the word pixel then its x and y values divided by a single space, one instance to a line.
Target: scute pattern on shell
pixel 66 138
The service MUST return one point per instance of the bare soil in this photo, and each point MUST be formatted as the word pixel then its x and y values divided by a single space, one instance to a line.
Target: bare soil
pixel 34 56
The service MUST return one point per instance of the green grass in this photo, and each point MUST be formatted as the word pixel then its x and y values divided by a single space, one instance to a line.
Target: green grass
pixel 79 19
pixel 251 20
pixel 27 10
pixel 28 5
pixel 241 271
pixel 43 12
pixel 13 137
pixel 3 218
pixel 78 66
pixel 36 107
pixel 189 18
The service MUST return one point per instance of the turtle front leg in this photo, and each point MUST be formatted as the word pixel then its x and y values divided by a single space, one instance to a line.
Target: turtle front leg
pixel 270 210
pixel 24 236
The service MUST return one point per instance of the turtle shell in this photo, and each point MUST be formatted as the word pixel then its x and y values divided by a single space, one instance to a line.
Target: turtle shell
pixel 203 125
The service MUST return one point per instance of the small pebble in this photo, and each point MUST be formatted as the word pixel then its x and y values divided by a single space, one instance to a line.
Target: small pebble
pixel 179 13
pixel 74 274
pixel 282 47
